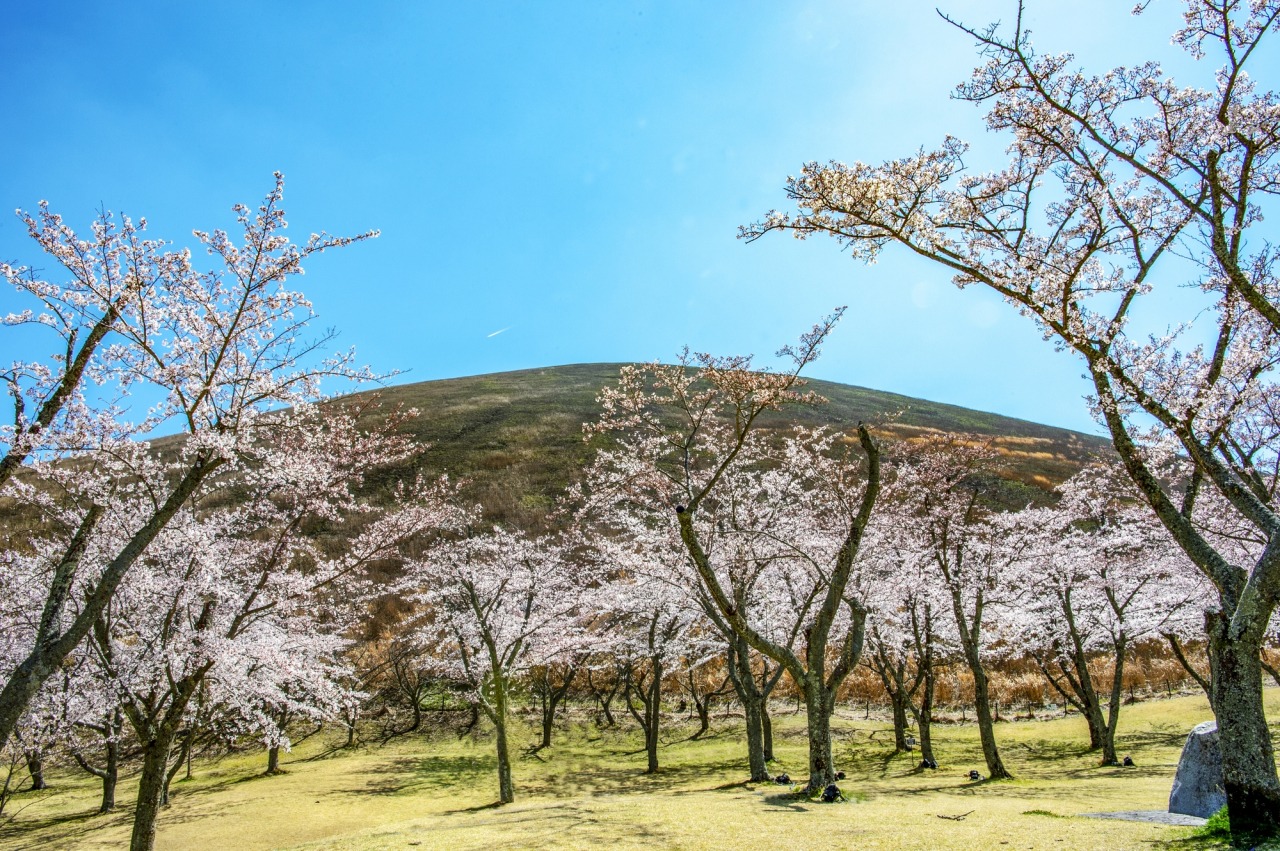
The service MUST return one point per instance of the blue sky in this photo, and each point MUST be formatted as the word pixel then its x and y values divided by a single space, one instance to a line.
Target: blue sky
pixel 570 174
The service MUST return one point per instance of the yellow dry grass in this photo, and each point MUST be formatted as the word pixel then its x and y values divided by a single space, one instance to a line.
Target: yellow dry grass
pixel 588 791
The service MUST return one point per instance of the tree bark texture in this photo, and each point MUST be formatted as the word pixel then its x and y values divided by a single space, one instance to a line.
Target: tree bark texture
pixel 1248 762
pixel 151 787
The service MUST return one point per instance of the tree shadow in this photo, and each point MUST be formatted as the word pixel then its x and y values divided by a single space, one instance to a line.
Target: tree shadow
pixel 70 825
pixel 478 808
pixel 1051 750
pixel 790 801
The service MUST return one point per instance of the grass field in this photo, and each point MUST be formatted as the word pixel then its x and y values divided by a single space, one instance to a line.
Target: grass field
pixel 588 791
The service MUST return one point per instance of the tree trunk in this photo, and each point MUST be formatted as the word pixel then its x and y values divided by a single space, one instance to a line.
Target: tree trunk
pixel 924 717
pixel 898 702
pixel 550 697
pixel 1109 755
pixel 1248 762
pixel 415 701
pixel 151 788
pixel 653 715
pixel 766 730
pixel 184 754
pixel 756 760
pixel 273 760
pixel 819 704
pixel 605 701
pixel 110 775
pixel 703 708
pixel 986 727
pixel 970 640
pixel 546 704
pixel 744 683
pixel 1097 729
pixel 35 767
pixel 506 790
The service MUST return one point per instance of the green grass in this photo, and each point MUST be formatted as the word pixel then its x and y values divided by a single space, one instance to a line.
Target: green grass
pixel 589 791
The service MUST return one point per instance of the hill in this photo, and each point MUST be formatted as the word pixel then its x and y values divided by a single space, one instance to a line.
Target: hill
pixel 518 435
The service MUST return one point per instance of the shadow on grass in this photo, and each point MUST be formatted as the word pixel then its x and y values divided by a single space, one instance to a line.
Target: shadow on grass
pixel 69 826
pixel 564 819
pixel 1160 735
pixel 1054 750
pixel 596 780
pixel 433 773
pixel 478 808
pixel 791 801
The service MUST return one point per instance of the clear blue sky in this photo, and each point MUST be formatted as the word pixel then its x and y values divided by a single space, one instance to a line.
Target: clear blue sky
pixel 570 174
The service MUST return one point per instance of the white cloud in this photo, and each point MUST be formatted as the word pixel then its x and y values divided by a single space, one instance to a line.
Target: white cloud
pixel 924 294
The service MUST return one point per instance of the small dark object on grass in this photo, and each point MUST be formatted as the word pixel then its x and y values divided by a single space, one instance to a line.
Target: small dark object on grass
pixel 839 775
pixel 974 775
pixel 955 818
pixel 928 763
pixel 782 778
pixel 1128 762
pixel 832 793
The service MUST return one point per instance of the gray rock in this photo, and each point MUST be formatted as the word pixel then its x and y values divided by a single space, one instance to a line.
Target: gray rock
pixel 1197 787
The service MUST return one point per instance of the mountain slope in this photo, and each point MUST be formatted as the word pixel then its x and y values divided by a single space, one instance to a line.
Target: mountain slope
pixel 518 435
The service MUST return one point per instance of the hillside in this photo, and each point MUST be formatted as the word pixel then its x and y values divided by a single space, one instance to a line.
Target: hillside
pixel 518 435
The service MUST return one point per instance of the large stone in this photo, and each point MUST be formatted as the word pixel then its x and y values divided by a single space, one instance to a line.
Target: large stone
pixel 1197 787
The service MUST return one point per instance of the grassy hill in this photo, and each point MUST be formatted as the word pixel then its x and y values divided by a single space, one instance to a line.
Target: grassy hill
pixel 518 435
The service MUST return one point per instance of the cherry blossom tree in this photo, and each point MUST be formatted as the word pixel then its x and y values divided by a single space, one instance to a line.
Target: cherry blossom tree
pixel 1102 575
pixel 495 604
pixel 704 682
pixel 210 351
pixel 550 683
pixel 1120 187
pixel 911 635
pixel 233 599
pixel 970 551
pixel 690 455
pixel 603 678
pixel 655 632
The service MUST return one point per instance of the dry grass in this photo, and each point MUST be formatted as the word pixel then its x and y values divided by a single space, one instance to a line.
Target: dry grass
pixel 588 792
